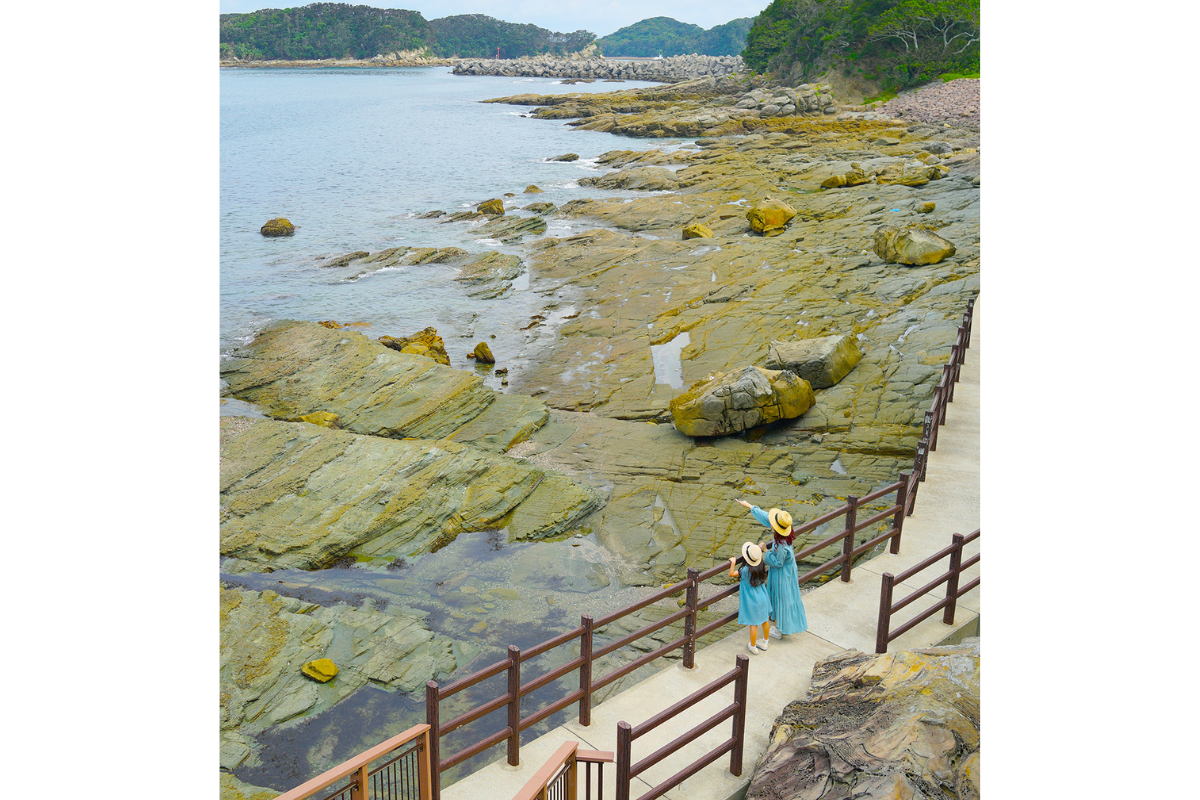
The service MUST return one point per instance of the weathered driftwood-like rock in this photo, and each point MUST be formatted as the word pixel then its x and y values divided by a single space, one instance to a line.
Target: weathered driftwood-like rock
pixel 300 497
pixel 912 246
pixel 296 368
pixel 735 401
pixel 822 362
pixel 423 343
pixel 770 217
pixel 900 725
pixel 279 226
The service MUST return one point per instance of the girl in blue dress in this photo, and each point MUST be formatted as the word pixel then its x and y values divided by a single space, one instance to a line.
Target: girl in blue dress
pixel 754 604
pixel 783 579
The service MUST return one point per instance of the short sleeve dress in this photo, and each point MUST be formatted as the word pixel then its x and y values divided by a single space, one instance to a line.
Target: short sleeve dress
pixel 754 604
pixel 787 609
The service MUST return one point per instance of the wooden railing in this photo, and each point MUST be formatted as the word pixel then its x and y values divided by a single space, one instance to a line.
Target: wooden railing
pixel 558 779
pixel 627 734
pixel 406 775
pixel 884 633
pixel 893 515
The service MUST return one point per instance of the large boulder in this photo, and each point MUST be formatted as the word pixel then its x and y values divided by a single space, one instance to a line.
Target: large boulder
pixel 736 401
pixel 914 246
pixel 277 227
pixel 822 362
pixel 898 725
pixel 770 217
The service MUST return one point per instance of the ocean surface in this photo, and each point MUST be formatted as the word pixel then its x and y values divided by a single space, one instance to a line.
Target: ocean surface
pixel 352 157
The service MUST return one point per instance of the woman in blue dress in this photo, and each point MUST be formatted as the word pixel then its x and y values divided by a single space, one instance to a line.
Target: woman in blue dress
pixel 783 579
pixel 754 604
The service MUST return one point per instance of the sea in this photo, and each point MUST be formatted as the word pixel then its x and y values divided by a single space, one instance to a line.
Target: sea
pixel 353 157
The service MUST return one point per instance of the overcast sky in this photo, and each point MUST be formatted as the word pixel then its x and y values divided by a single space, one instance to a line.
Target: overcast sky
pixel 601 17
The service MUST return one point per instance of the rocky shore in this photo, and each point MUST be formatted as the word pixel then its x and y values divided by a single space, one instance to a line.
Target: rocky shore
pixel 667 70
pixel 378 462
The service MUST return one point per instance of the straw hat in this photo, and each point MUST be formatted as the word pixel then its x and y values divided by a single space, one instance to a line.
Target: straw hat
pixel 781 521
pixel 752 554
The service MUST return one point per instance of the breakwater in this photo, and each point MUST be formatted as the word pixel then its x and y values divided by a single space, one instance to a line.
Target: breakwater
pixel 665 70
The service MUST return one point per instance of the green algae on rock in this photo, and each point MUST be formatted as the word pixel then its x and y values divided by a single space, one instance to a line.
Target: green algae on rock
pixel 300 496
pixel 279 226
pixel 296 368
pixel 737 401
pixel 491 208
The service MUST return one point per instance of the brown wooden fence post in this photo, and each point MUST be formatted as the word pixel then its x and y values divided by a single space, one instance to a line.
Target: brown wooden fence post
pixel 435 739
pixel 952 584
pixel 585 671
pixel 689 622
pixel 624 747
pixel 930 431
pixel 360 789
pixel 848 540
pixel 514 705
pixel 739 718
pixel 425 772
pixel 885 613
pixel 922 458
pixel 948 375
pixel 898 520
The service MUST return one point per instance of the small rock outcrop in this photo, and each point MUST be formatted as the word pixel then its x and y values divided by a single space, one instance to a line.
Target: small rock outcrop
pixel 491 208
pixel 647 179
pixel 898 725
pixel 483 354
pixel 697 230
pixel 423 343
pixel 279 226
pixel 770 217
pixel 322 670
pixel 822 362
pixel 913 246
pixel 736 401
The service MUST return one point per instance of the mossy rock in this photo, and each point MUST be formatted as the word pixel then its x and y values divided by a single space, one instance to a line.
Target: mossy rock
pixel 483 354
pixel 279 226
pixel 697 230
pixel 533 189
pixel 770 217
pixel 566 157
pixel 492 208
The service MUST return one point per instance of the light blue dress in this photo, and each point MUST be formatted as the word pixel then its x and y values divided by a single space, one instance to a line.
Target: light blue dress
pixel 754 604
pixel 787 609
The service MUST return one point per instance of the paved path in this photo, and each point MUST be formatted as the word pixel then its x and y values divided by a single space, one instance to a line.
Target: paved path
pixel 841 616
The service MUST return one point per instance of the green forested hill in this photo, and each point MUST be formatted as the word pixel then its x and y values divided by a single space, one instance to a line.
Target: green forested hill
pixel 900 43
pixel 664 36
pixel 338 30
pixel 478 36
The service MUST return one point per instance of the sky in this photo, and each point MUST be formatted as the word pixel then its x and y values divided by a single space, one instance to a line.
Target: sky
pixel 601 17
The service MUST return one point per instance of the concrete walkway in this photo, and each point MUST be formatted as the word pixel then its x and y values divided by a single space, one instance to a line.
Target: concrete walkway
pixel 841 616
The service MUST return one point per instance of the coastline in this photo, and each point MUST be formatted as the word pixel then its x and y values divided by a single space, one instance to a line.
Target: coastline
pixel 669 498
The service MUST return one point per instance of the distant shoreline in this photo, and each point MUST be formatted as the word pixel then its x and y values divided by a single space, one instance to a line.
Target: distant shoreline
pixel 340 62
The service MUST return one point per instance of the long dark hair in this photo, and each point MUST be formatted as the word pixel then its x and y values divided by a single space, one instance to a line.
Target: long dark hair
pixel 758 574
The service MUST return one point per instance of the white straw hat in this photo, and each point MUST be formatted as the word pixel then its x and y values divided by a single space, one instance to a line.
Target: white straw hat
pixel 752 554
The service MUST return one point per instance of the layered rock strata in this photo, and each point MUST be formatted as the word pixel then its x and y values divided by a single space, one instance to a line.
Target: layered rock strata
pixel 904 724
pixel 302 497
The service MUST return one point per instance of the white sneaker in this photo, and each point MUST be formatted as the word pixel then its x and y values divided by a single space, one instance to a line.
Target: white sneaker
pixel 763 646
pixel 752 649
pixel 775 632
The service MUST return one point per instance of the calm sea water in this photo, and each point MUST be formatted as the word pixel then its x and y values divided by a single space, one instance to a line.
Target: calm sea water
pixel 352 157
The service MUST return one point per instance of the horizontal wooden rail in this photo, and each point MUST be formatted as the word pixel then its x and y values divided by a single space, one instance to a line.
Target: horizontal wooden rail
pixel 359 764
pixel 884 632
pixel 906 490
